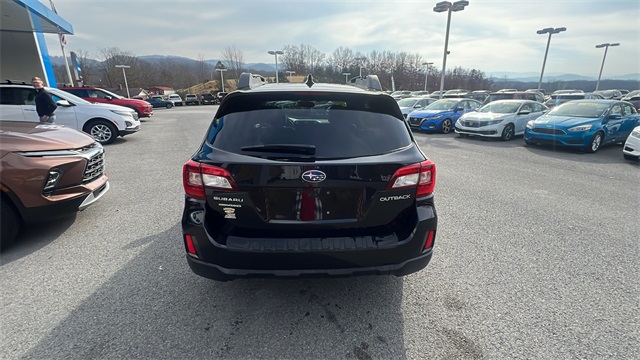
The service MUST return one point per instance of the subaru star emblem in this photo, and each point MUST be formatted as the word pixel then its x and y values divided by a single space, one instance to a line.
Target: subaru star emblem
pixel 314 176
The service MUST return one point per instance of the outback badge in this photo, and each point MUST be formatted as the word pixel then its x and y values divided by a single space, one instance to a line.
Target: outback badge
pixel 313 176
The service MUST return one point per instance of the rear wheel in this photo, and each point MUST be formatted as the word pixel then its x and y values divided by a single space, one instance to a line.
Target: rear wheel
pixel 508 132
pixel 103 131
pixel 169 106
pixel 446 126
pixel 10 225
pixel 595 143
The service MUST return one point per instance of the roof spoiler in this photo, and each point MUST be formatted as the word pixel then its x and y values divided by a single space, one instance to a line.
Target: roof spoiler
pixel 369 82
pixel 248 81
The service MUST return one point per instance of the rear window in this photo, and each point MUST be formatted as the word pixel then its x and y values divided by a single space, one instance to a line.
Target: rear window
pixel 331 128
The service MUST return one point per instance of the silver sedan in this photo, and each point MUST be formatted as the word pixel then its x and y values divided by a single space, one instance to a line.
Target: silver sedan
pixel 503 119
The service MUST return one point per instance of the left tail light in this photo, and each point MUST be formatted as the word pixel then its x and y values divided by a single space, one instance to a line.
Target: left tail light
pixel 196 177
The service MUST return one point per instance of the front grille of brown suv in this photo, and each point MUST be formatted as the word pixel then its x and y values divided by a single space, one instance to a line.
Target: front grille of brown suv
pixel 308 179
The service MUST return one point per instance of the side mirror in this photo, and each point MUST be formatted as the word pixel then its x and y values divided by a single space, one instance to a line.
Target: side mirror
pixel 108 97
pixel 524 112
pixel 63 103
pixel 615 117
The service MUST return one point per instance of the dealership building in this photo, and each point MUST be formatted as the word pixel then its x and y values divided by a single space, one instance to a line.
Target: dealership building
pixel 23 49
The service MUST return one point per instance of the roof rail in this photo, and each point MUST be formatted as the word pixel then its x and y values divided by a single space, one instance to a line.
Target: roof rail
pixel 248 81
pixel 369 82
pixel 19 82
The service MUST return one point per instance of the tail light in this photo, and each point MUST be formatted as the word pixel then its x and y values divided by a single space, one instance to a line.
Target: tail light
pixel 196 176
pixel 421 175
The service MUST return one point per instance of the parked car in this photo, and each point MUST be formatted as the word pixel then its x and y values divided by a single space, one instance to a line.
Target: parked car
pixel 507 95
pixel 583 124
pixel 158 102
pixel 419 93
pixel 408 105
pixel 631 149
pixel 46 171
pixel 480 95
pixel 207 98
pixel 191 99
pixel 441 115
pixel 612 94
pixel 401 94
pixel 436 94
pixel 557 99
pixel 456 93
pixel 105 122
pixel 175 99
pixel 502 118
pixel 102 96
pixel 634 99
pixel 300 190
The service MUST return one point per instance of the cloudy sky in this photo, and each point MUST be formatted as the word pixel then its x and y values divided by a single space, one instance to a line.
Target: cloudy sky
pixel 490 35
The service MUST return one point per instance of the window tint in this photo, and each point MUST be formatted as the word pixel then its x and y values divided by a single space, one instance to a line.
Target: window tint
pixel 537 107
pixel 26 96
pixel 628 109
pixel 7 96
pixel 335 133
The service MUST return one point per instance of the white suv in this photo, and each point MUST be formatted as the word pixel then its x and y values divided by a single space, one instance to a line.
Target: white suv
pixel 175 99
pixel 105 122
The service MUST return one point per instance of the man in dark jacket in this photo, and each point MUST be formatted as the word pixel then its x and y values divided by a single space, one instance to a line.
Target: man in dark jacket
pixel 45 106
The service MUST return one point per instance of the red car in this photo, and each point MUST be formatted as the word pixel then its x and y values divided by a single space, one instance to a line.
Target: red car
pixel 98 95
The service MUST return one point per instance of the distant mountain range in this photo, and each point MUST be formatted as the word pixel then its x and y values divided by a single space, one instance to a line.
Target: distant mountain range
pixel 496 76
pixel 535 77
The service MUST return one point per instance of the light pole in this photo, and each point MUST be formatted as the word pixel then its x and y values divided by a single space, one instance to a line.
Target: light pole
pixel 289 73
pixel 549 31
pixel 125 77
pixel 276 53
pixel 606 47
pixel 448 7
pixel 426 73
pixel 360 60
pixel 346 77
pixel 222 77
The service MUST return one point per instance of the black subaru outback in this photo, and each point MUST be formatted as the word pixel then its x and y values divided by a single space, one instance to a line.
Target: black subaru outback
pixel 308 179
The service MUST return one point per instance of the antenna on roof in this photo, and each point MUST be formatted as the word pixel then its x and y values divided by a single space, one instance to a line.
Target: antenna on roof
pixel 309 81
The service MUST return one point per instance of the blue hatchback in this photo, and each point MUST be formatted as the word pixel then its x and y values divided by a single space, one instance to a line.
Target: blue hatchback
pixel 441 115
pixel 584 124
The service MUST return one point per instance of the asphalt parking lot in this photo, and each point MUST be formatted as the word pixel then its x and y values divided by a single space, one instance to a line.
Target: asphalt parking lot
pixel 536 256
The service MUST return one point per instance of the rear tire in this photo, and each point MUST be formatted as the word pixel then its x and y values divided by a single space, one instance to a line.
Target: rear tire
pixel 103 131
pixel 508 132
pixel 10 225
pixel 169 106
pixel 446 126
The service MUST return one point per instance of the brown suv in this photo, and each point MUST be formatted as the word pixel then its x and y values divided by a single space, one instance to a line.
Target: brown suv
pixel 46 172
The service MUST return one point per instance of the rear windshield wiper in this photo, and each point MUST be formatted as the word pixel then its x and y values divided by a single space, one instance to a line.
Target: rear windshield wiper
pixel 283 148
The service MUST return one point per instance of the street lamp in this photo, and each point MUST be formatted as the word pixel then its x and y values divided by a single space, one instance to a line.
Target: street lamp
pixel 426 73
pixel 125 77
pixel 346 77
pixel 606 47
pixel 359 60
pixel 549 31
pixel 448 7
pixel 289 73
pixel 222 77
pixel 276 53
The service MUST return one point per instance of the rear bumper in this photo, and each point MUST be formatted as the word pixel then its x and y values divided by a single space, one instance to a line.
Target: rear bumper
pixel 323 257
pixel 216 272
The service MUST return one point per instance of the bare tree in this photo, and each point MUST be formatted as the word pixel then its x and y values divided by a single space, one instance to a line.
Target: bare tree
pixel 111 57
pixel 233 59
pixel 203 70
